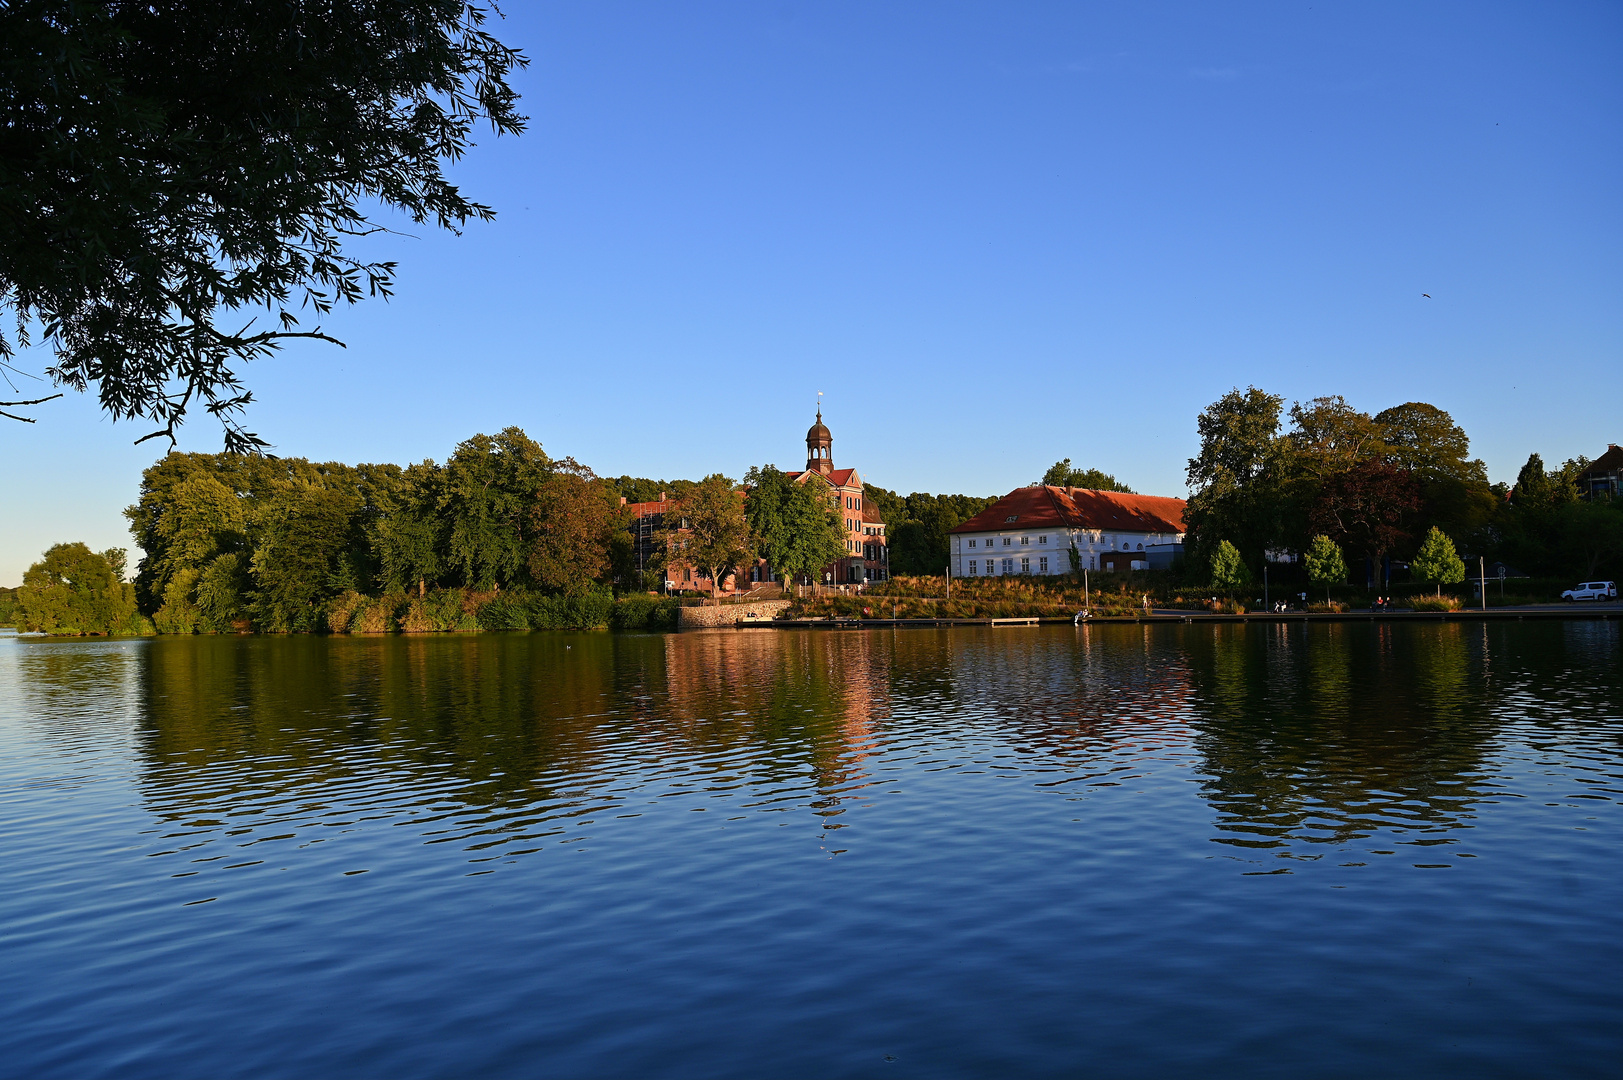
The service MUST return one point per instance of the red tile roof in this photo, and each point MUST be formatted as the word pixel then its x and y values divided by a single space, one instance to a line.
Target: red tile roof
pixel 1609 462
pixel 839 477
pixel 1079 508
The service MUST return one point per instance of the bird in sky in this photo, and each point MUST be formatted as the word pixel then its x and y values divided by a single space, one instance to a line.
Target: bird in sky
pixel 1427 295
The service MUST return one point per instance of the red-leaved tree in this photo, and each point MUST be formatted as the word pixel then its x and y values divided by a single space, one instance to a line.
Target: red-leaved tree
pixel 1366 507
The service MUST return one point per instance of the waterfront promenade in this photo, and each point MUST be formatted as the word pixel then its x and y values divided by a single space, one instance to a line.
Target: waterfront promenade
pixel 1173 615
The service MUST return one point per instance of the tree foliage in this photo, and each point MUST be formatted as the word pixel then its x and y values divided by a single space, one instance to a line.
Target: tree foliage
pixel 172 174
pixel 1325 565
pixel 574 522
pixel 713 533
pixel 1228 568
pixel 489 486
pixel 1367 507
pixel 796 527
pixel 918 527
pixel 1363 480
pixel 74 590
pixel 1437 561
pixel 1062 474
pixel 1238 477
pixel 235 541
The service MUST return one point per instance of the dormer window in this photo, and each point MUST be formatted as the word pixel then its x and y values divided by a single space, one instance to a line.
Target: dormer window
pixel 1012 517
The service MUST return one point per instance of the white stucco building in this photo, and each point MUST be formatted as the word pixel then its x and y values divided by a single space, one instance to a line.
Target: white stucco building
pixel 1031 530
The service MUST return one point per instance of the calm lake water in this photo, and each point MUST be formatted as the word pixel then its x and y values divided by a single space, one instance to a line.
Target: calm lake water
pixel 1341 850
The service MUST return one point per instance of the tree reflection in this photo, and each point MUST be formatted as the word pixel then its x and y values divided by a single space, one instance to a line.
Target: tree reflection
pixel 1329 733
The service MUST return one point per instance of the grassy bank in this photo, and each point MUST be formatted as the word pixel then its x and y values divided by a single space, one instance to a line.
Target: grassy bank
pixel 464 610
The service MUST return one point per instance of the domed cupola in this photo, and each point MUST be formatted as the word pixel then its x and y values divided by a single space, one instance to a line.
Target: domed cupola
pixel 819 447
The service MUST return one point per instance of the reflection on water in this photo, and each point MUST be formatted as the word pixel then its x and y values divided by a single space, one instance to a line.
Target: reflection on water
pixel 1302 738
pixel 1002 798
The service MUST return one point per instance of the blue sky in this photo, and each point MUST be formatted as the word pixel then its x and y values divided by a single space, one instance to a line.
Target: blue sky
pixel 993 235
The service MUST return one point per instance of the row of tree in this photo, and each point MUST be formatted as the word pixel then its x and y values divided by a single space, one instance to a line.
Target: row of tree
pixel 1268 480
pixel 234 540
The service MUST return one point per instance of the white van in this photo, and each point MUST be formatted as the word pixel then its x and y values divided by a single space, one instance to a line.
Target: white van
pixel 1592 590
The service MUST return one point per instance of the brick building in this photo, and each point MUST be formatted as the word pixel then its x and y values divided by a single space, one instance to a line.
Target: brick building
pixel 868 558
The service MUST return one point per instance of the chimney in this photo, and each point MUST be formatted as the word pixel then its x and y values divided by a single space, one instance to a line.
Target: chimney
pixel 622 500
pixel 661 496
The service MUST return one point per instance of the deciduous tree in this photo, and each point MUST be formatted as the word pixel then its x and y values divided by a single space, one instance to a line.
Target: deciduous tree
pixel 1437 561
pixel 1228 568
pixel 796 527
pixel 575 519
pixel 1366 507
pixel 1238 479
pixel 170 173
pixel 717 535
pixel 490 485
pixel 1061 474
pixel 1325 565
pixel 74 590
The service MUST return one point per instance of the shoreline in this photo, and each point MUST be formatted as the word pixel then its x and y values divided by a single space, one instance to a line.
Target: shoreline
pixel 1614 611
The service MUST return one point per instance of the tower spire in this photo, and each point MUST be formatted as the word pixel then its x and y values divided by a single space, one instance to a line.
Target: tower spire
pixel 819 444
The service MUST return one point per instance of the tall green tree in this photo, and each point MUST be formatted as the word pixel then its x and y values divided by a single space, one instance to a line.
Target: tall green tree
pixel 1531 523
pixel 301 558
pixel 1228 568
pixel 716 538
pixel 1325 564
pixel 1238 479
pixel 411 537
pixel 75 590
pixel 796 527
pixel 1437 561
pixel 1425 442
pixel 169 173
pixel 1062 474
pixel 489 490
pixel 573 524
pixel 1329 436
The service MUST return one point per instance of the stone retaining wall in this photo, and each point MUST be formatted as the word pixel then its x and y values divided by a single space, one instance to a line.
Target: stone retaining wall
pixel 689 618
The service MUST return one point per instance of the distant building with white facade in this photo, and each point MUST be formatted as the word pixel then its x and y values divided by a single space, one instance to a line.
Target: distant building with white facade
pixel 1032 530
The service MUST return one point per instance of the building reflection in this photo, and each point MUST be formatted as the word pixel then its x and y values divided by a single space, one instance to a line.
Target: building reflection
pixel 808 706
pixel 1296 736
